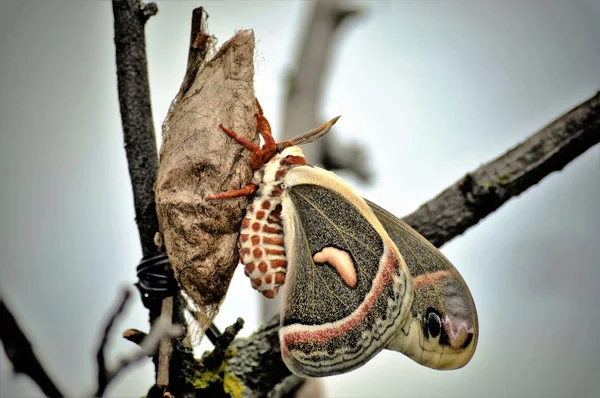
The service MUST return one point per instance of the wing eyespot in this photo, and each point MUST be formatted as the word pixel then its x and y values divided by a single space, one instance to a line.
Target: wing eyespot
pixel 432 323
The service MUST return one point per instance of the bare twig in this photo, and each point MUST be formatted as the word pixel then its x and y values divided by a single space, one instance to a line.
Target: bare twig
pixel 103 373
pixel 20 352
pixel 134 335
pixel 258 364
pixel 162 329
pixel 166 348
pixel 199 46
pixel 216 356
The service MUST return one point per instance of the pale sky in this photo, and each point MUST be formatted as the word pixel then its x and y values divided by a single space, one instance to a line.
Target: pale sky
pixel 432 89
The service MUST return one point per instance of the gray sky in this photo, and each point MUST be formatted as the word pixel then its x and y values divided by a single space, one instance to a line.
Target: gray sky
pixel 432 89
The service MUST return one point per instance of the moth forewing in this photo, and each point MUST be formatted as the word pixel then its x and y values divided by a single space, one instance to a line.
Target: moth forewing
pixel 332 323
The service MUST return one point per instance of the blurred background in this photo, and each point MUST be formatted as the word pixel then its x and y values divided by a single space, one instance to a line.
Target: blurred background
pixel 429 89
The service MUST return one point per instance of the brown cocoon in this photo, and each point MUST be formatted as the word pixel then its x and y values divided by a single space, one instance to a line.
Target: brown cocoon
pixel 198 159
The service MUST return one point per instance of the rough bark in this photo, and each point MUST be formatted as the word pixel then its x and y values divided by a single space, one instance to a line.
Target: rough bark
pixel 136 113
pixel 484 190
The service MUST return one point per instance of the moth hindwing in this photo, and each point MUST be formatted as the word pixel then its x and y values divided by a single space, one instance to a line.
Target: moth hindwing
pixel 354 278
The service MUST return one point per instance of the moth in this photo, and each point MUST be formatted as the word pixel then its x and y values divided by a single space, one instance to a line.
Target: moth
pixel 354 278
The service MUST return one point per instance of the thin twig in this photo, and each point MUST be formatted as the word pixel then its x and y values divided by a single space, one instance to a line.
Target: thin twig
pixel 199 46
pixel 20 352
pixel 162 329
pixel 165 348
pixel 216 356
pixel 103 373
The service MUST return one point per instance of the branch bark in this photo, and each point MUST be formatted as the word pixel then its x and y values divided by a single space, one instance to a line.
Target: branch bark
pixel 130 17
pixel 484 190
pixel 136 113
pixel 258 365
pixel 161 330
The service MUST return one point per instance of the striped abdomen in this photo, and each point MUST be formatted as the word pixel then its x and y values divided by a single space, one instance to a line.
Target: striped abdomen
pixel 261 243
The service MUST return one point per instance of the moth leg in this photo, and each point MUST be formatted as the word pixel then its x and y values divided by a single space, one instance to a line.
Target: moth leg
pixel 264 128
pixel 257 154
pixel 246 191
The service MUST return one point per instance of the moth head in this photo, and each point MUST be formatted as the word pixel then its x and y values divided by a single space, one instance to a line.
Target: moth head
pixel 309 136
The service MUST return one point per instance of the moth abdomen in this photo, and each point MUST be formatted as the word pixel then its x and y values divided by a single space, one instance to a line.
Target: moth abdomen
pixel 261 239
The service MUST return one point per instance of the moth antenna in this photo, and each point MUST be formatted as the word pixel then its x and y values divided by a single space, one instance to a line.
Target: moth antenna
pixel 310 136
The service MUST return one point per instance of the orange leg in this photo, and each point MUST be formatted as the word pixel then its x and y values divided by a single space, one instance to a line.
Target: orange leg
pixel 270 146
pixel 257 153
pixel 264 128
pixel 246 191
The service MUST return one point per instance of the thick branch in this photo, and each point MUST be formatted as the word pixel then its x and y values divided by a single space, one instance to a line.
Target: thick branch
pixel 20 352
pixel 484 190
pixel 136 113
pixel 258 364
pixel 130 17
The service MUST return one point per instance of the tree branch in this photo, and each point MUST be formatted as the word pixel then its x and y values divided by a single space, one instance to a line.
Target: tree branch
pixel 484 190
pixel 258 365
pixel 161 329
pixel 130 17
pixel 20 352
pixel 136 113
pixel 103 374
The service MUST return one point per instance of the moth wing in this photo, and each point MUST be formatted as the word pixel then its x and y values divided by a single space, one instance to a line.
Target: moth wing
pixel 443 331
pixel 347 289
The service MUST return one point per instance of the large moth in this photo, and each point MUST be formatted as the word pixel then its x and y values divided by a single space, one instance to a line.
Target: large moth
pixel 354 278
